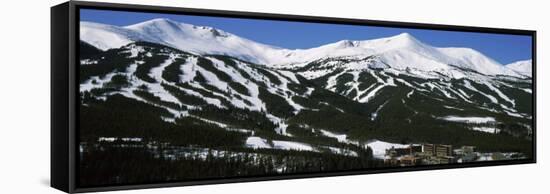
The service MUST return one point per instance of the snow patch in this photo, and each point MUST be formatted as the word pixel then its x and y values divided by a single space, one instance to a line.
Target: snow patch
pixel 493 130
pixel 290 145
pixel 379 147
pixel 469 119
pixel 257 142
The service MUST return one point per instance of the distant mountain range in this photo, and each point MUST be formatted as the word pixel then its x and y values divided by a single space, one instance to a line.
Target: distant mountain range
pixel 345 94
pixel 400 52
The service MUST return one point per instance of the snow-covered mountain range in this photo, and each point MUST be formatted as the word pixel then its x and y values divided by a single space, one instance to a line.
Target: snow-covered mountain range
pixel 522 67
pixel 399 52
pixel 338 98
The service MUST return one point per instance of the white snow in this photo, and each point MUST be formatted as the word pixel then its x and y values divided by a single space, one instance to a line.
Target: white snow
pixel 410 94
pixel 314 74
pixel 157 90
pixel 524 67
pixel 371 94
pixel 290 145
pixel 309 92
pixel 213 101
pixel 342 151
pixel 236 76
pixel 131 139
pixel 459 93
pixel 401 52
pixel 484 156
pixel 342 138
pixel 469 119
pixel 107 139
pixel 514 114
pixel 378 79
pixel 135 51
pixel 156 72
pixel 463 93
pixel 379 147
pixel 527 90
pixel 280 123
pixel 105 37
pixel 375 113
pixel 96 82
pixel 468 85
pixel 404 82
pixel 154 88
pixel 353 85
pixel 332 81
pixel 212 79
pixel 188 69
pixel 474 60
pixel 88 62
pixel 486 129
pixel 289 75
pixel 440 88
pixel 283 90
pixel 500 94
pixel 168 119
pixel 257 142
pixel 451 107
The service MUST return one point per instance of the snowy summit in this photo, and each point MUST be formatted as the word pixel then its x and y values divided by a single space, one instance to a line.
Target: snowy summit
pixel 399 52
pixel 522 67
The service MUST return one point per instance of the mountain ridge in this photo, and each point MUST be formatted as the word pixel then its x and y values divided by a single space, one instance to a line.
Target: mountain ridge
pixel 172 95
pixel 523 67
pixel 281 109
pixel 400 51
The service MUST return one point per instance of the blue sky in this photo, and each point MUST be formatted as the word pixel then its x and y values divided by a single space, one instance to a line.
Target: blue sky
pixel 503 48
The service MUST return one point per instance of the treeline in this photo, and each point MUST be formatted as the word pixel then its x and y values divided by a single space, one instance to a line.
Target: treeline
pixel 113 60
pixel 396 123
pixel 119 116
pixel 139 165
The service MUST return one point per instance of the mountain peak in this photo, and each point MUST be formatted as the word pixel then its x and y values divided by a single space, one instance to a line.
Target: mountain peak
pixel 400 51
pixel 162 21
pixel 404 39
pixel 404 35
pixel 346 43
pixel 157 26
pixel 523 67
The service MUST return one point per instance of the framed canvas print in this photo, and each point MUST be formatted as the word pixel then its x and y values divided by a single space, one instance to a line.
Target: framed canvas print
pixel 146 96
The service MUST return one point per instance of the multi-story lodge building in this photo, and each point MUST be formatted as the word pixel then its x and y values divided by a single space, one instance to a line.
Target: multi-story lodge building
pixel 420 154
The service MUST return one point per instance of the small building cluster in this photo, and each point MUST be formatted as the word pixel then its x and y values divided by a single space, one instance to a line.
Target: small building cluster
pixel 429 154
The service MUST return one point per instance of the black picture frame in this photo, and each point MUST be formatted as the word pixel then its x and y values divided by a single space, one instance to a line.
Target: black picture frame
pixel 64 90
